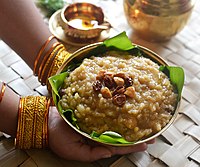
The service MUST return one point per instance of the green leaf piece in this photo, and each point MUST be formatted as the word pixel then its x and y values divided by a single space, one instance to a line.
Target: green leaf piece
pixel 69 115
pixel 176 76
pixel 120 41
pixel 56 82
pixel 110 137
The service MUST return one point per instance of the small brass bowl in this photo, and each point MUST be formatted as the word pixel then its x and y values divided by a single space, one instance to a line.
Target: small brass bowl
pixel 83 21
pixel 80 54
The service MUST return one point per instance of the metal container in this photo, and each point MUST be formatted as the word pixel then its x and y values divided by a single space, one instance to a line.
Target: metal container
pixel 158 20
pixel 80 54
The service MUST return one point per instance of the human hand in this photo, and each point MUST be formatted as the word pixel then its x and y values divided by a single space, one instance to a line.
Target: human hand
pixel 68 144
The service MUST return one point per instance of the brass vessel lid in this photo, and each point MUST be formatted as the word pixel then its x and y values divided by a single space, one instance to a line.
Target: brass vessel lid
pixel 166 7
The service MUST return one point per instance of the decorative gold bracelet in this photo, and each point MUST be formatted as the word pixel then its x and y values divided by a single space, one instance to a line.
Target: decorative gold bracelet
pixel 46 68
pixel 3 88
pixel 60 58
pixel 54 64
pixel 58 61
pixel 38 57
pixel 32 129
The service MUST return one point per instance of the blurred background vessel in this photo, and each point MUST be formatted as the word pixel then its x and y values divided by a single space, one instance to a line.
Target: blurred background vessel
pixel 158 20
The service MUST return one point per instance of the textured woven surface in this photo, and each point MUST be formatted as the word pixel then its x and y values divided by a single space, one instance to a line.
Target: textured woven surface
pixel 179 146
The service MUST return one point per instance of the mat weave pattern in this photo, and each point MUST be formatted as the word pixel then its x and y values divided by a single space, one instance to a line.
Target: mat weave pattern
pixel 179 146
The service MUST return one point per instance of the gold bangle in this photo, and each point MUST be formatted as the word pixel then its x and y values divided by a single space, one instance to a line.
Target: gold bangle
pixel 35 68
pixel 60 58
pixel 25 124
pixel 58 61
pixel 43 77
pixel 45 129
pixel 3 88
pixel 38 123
pixel 32 126
pixel 54 63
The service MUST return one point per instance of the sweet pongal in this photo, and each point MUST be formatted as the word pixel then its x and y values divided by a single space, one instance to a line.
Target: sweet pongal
pixel 122 93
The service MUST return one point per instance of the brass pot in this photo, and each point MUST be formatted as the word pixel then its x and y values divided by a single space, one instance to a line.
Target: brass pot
pixel 158 20
pixel 80 54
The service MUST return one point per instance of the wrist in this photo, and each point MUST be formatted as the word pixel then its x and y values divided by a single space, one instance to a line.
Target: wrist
pixel 8 110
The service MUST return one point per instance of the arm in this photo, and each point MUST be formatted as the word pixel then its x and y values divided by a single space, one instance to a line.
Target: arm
pixel 8 111
pixel 22 28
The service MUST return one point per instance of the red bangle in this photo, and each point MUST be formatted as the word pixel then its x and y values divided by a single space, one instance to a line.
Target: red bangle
pixel 35 68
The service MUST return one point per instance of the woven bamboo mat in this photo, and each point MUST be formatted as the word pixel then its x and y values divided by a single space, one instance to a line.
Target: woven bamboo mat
pixel 179 146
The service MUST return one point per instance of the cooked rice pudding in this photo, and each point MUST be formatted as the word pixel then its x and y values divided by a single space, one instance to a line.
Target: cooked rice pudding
pixel 121 93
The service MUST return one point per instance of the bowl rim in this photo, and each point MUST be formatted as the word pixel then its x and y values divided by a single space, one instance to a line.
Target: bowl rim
pixel 154 56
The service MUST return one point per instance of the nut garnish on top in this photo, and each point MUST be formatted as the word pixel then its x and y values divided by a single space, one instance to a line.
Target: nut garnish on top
pixel 116 86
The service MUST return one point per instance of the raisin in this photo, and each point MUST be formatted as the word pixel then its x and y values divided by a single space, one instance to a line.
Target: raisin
pixel 97 85
pixel 119 90
pixel 119 100
pixel 109 81
pixel 128 81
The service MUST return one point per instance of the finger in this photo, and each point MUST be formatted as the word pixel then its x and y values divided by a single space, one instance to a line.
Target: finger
pixel 151 141
pixel 128 149
pixel 89 153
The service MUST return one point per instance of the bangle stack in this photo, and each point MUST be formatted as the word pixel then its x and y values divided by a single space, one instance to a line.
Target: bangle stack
pixel 47 63
pixel 32 129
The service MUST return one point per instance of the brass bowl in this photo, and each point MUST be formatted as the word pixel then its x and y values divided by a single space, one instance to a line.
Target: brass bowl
pixel 80 54
pixel 83 21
